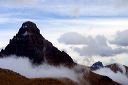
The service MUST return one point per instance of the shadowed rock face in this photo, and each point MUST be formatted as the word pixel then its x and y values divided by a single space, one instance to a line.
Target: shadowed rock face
pixel 30 43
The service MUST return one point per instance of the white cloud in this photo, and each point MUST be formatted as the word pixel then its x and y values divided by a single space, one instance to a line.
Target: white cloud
pixel 94 46
pixel 72 38
pixel 98 47
pixel 121 38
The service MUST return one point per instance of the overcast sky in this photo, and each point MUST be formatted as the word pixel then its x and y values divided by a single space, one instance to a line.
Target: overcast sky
pixel 88 30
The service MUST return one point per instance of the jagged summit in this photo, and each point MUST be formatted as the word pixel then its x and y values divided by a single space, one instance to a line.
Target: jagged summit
pixel 97 65
pixel 30 43
pixel 28 28
pixel 29 24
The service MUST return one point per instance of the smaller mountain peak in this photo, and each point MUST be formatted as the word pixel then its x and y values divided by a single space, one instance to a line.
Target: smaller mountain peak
pixel 97 65
pixel 29 27
pixel 116 67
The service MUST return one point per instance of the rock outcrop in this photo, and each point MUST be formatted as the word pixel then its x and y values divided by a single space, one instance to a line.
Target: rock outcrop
pixel 97 65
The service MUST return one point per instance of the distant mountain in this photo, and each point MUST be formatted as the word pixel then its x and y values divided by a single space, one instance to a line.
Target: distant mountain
pixel 28 42
pixel 118 68
pixel 97 65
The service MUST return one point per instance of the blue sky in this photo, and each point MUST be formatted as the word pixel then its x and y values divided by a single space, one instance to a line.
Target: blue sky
pixel 90 20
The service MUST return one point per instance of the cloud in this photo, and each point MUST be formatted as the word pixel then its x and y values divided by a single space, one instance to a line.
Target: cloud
pixel 118 77
pixel 121 38
pixel 72 38
pixel 98 47
pixel 19 2
pixel 25 68
pixel 93 46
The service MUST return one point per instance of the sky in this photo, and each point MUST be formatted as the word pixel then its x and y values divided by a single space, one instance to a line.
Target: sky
pixel 88 30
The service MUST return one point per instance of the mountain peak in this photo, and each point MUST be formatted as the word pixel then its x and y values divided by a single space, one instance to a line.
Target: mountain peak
pixel 30 43
pixel 28 28
pixel 116 67
pixel 97 65
pixel 29 23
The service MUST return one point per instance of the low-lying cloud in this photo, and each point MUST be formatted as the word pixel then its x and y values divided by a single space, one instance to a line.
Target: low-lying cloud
pixel 118 77
pixel 25 68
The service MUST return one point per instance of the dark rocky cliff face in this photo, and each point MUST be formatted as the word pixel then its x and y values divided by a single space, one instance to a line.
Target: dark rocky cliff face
pixel 28 42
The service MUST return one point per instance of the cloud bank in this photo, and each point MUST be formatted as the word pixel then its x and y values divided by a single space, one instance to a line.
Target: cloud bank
pixel 93 46
pixel 25 68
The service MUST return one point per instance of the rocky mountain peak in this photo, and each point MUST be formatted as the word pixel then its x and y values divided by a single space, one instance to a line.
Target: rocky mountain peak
pixel 28 28
pixel 97 65
pixel 30 43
